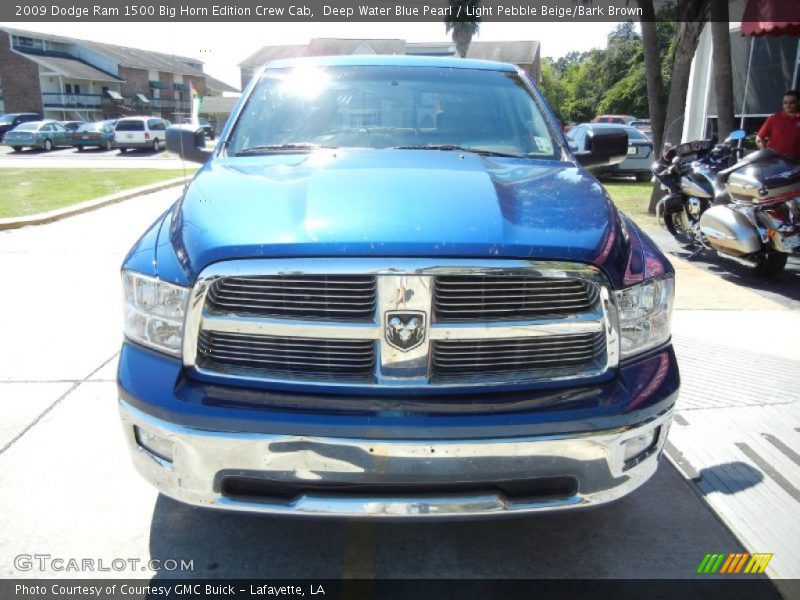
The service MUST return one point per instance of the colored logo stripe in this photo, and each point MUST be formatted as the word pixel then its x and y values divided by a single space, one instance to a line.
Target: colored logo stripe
pixel 734 563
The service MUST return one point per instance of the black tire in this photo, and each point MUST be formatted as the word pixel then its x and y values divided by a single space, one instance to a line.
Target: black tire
pixel 47 146
pixel 106 145
pixel 16 148
pixel 642 177
pixel 684 240
pixel 772 263
pixel 123 150
pixel 156 145
pixel 80 148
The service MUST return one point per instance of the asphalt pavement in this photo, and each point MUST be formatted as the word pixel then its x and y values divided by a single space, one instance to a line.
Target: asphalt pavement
pixel 71 491
pixel 91 158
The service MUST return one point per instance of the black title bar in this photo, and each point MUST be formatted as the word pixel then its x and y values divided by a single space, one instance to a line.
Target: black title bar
pixel 357 10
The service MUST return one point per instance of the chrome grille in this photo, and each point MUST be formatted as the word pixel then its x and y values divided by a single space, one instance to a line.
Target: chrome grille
pixel 468 359
pixel 326 322
pixel 488 298
pixel 319 297
pixel 352 360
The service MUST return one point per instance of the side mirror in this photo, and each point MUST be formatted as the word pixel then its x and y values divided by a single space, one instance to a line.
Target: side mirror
pixel 603 148
pixel 188 143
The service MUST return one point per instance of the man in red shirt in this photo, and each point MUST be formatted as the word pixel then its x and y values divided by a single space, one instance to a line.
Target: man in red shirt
pixel 781 131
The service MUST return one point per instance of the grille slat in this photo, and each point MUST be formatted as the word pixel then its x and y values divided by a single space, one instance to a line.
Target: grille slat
pixel 319 297
pixel 285 357
pixel 456 359
pixel 477 297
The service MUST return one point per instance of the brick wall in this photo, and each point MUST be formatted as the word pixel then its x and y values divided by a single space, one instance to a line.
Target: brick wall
pixel 136 82
pixel 20 78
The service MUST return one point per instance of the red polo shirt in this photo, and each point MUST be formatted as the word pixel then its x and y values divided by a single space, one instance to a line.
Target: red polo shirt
pixel 783 133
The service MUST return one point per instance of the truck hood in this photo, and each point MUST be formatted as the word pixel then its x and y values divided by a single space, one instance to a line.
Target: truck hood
pixel 395 203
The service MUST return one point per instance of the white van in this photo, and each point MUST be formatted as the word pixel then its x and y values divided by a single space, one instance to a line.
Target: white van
pixel 141 132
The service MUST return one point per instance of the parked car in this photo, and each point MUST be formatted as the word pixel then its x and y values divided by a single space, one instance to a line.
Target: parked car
pixel 640 150
pixel 71 125
pixel 618 119
pixel 644 126
pixel 10 120
pixel 205 125
pixel 99 134
pixel 44 135
pixel 140 132
pixel 348 315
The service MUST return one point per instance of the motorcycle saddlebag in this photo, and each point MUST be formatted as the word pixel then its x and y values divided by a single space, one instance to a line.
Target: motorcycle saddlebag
pixel 729 232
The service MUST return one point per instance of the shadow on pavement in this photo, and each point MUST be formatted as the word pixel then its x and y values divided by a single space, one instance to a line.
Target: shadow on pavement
pixel 663 530
pixel 729 478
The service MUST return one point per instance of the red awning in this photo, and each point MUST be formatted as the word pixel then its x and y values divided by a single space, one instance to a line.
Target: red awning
pixel 771 17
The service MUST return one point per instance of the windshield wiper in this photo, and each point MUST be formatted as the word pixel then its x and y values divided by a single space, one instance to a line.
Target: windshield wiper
pixel 293 147
pixel 454 147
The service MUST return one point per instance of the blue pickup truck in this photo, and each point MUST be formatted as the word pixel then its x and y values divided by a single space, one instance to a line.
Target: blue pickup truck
pixel 393 291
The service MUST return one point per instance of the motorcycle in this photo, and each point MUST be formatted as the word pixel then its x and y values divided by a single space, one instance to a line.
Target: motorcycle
pixel 747 209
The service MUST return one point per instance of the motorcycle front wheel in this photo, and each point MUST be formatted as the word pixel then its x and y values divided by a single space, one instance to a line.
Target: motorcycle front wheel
pixel 678 227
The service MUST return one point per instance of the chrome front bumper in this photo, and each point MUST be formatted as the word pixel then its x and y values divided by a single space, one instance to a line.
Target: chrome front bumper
pixel 376 479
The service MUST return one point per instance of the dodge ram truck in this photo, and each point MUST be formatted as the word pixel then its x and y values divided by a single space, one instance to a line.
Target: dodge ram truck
pixel 393 291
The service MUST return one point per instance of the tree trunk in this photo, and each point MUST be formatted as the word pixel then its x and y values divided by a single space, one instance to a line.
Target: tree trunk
pixel 462 37
pixel 688 35
pixel 723 72
pixel 652 64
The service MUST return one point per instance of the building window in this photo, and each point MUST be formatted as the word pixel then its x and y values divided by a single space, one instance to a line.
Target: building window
pixel 68 88
pixel 77 89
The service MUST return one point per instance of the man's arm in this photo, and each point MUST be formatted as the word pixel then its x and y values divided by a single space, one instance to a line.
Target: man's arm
pixel 762 137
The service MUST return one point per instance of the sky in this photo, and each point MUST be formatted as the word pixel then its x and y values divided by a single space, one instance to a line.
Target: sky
pixel 222 46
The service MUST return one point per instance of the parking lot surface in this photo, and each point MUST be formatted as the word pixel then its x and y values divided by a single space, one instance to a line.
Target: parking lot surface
pixel 72 492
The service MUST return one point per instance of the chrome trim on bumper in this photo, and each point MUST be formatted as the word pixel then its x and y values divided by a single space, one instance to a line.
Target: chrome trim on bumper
pixel 595 460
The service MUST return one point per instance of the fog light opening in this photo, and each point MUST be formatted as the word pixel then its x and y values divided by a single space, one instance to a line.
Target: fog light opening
pixel 159 447
pixel 641 445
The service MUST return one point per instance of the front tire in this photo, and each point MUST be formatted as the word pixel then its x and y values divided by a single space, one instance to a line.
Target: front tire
pixel 80 148
pixel 16 148
pixel 48 145
pixel 106 145
pixel 123 150
pixel 773 263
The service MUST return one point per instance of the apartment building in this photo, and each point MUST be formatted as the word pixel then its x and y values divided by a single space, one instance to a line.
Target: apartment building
pixel 71 79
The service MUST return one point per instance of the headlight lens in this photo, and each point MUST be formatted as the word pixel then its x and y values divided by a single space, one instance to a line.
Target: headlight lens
pixel 645 312
pixel 154 312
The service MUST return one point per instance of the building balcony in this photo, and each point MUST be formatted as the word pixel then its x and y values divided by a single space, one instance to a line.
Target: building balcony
pixel 51 100
pixel 162 103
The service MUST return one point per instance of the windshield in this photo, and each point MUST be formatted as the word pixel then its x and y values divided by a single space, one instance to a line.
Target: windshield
pixel 6 119
pixel 391 107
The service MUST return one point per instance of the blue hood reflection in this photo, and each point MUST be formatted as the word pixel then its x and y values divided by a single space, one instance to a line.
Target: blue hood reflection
pixel 396 203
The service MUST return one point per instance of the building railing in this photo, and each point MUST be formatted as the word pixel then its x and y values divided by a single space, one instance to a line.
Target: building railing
pixel 72 100
pixel 167 103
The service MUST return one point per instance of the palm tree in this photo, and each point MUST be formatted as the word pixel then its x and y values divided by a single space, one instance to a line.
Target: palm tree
pixel 463 23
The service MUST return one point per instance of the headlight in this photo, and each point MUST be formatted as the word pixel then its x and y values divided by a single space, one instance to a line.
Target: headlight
pixel 645 312
pixel 154 312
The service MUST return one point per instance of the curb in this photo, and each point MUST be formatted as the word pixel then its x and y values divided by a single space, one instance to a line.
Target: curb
pixel 88 205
